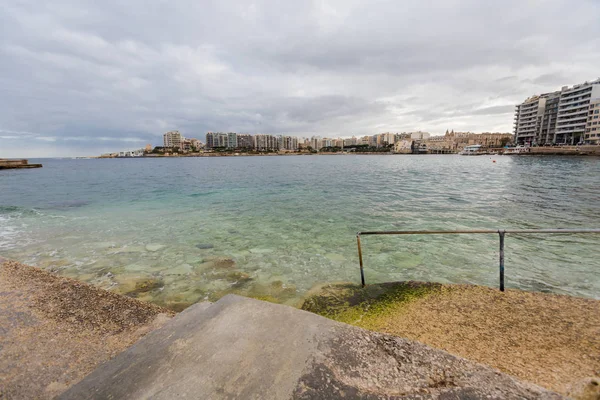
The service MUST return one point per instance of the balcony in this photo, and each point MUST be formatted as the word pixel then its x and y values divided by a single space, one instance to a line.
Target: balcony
pixel 574 110
pixel 571 93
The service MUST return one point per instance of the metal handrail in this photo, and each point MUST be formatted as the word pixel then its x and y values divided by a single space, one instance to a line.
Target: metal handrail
pixel 500 232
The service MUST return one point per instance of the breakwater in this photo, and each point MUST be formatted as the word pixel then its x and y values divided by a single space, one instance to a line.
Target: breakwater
pixel 17 164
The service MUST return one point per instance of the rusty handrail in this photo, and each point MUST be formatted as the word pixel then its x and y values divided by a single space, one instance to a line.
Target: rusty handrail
pixel 501 233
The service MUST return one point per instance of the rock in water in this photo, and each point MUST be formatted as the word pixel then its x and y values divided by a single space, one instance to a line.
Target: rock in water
pixel 154 247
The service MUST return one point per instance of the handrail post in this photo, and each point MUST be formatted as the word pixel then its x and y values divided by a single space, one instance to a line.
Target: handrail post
pixel 501 233
pixel 360 259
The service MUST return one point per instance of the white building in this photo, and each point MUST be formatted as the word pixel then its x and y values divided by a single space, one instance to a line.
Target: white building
pixel 557 117
pixel 232 142
pixel 592 130
pixel 172 139
pixel 573 110
pixel 131 153
pixel 529 119
pixel 419 135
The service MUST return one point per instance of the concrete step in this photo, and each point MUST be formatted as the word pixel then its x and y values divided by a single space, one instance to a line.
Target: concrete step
pixel 240 348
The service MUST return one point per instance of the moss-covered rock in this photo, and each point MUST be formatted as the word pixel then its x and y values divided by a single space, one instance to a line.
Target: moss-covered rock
pixel 134 285
pixel 356 305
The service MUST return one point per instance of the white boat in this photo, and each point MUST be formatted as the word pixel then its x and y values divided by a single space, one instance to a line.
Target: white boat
pixel 473 150
pixel 517 150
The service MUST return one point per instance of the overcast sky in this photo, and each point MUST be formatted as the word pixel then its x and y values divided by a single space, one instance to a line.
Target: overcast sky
pixel 84 77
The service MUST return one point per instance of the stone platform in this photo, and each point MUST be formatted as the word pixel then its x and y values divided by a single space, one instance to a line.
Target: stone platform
pixel 240 348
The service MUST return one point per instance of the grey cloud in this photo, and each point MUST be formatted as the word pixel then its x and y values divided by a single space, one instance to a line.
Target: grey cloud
pixel 508 109
pixel 86 74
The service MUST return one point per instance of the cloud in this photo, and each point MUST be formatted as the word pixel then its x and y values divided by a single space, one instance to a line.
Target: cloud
pixel 81 76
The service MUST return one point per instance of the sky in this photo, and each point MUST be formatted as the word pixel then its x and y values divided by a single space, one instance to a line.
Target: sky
pixel 81 78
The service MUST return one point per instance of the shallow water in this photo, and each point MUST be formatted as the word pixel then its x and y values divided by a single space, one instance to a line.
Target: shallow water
pixel 289 223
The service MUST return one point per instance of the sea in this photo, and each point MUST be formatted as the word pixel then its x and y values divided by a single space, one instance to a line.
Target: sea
pixel 175 231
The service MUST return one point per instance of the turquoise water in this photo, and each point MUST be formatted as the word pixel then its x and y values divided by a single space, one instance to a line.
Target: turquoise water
pixel 277 226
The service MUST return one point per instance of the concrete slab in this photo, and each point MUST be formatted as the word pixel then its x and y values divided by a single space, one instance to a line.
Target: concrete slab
pixel 239 348
pixel 54 330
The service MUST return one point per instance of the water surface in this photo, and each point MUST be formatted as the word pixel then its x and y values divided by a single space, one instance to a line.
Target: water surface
pixel 288 223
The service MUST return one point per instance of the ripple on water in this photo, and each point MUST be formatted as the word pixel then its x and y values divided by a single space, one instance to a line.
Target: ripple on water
pixel 289 223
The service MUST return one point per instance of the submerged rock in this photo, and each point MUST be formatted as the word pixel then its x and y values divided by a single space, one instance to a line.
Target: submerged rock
pixel 217 262
pixel 183 269
pixel 132 285
pixel 261 251
pixel 238 277
pixel 154 247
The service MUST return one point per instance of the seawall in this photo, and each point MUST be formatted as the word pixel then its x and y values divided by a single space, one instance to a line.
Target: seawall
pixel 17 164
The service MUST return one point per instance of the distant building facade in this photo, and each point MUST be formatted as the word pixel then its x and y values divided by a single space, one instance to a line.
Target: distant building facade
pixel 592 130
pixel 244 141
pixel 264 142
pixel 172 139
pixel 559 117
pixel 232 142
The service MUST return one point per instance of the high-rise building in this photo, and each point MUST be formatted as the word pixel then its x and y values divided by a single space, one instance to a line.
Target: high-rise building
pixel 557 117
pixel 210 140
pixel 244 141
pixel 316 143
pixel 232 142
pixel 266 142
pixel 220 139
pixel 172 139
pixel 592 129
pixel 288 143
pixel 548 124
pixel 529 119
pixel 573 111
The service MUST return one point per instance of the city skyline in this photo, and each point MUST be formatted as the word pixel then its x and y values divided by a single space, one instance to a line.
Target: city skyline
pixel 88 77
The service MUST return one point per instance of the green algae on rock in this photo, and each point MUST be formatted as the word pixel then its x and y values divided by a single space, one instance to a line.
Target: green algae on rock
pixel 353 304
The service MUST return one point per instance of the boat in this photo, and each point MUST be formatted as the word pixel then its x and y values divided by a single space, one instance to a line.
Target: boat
pixel 473 150
pixel 516 150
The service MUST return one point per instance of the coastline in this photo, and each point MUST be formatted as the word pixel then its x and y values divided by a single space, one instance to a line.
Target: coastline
pixel 60 329
pixel 586 150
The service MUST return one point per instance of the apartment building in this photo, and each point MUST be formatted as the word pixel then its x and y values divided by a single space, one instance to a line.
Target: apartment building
pixel 573 110
pixel 232 142
pixel 558 117
pixel 244 141
pixel 528 120
pixel 172 139
pixel 266 142
pixel 548 124
pixel 592 129
pixel 288 143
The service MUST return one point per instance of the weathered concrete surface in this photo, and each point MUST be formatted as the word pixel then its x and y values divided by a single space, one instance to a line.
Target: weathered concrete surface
pixel 54 331
pixel 241 348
